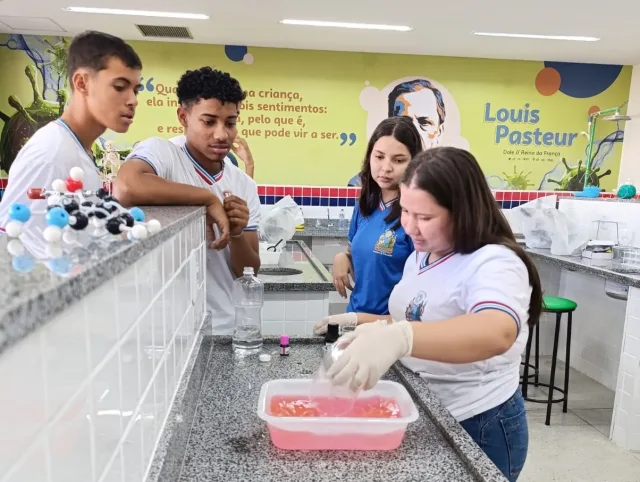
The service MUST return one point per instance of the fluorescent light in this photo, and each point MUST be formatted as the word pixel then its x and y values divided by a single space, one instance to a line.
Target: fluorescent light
pixel 362 26
pixel 139 13
pixel 542 37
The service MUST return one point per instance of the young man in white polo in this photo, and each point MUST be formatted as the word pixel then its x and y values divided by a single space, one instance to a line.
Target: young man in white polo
pixel 160 172
pixel 104 76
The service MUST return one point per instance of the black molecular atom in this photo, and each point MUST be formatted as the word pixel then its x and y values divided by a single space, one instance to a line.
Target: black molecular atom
pixel 113 225
pixel 128 219
pixel 69 205
pixel 101 193
pixel 99 212
pixel 78 220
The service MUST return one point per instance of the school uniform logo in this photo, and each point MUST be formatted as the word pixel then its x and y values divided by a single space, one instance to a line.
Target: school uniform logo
pixel 386 242
pixel 415 310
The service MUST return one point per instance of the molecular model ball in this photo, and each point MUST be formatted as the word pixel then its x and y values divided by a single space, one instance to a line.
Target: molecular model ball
pixel 69 207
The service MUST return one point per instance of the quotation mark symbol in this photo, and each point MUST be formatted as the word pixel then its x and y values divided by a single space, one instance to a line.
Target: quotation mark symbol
pixel 148 85
pixel 344 137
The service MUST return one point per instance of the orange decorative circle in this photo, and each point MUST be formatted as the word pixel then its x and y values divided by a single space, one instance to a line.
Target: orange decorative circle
pixel 548 81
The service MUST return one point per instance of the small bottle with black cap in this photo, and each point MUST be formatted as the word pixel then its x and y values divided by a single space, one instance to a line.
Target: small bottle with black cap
pixel 333 333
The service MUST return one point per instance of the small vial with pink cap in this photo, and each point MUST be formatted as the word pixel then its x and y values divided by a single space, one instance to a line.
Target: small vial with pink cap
pixel 284 345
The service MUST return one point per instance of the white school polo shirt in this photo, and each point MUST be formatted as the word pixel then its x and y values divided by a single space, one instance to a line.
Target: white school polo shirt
pixel 493 277
pixel 176 164
pixel 48 155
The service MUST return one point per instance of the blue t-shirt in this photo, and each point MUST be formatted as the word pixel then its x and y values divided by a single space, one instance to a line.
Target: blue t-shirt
pixel 379 254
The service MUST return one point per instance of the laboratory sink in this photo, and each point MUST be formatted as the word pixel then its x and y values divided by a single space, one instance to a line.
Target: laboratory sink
pixel 279 271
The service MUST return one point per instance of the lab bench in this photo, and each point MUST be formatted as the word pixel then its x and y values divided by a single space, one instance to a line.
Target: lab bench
pixel 213 432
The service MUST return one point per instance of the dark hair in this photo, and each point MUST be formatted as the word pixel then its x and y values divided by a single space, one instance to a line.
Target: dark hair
pixel 404 131
pixel 415 86
pixel 94 49
pixel 456 181
pixel 207 83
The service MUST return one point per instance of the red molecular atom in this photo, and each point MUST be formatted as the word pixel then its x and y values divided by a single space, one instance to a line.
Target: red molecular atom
pixel 73 185
pixel 35 193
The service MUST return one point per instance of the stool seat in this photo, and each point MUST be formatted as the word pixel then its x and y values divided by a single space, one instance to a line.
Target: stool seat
pixel 555 304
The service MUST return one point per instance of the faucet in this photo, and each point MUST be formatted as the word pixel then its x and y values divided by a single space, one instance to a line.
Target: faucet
pixel 329 223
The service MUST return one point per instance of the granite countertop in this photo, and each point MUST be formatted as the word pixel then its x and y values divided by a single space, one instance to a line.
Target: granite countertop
pixel 30 299
pixel 307 272
pixel 597 267
pixel 227 441
pixel 325 230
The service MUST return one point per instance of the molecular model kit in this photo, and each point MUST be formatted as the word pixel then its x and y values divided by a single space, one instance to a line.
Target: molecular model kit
pixel 69 207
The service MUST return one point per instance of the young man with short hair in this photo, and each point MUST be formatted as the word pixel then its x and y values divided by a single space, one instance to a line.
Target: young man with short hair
pixel 159 171
pixel 104 77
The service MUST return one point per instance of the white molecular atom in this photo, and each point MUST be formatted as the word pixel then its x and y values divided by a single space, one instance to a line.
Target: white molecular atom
pixel 13 229
pixel 52 234
pixel 153 226
pixel 139 232
pixel 15 247
pixel 59 185
pixel 77 174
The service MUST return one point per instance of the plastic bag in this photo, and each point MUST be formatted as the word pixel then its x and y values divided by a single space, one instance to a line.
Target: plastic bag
pixel 281 221
pixel 544 227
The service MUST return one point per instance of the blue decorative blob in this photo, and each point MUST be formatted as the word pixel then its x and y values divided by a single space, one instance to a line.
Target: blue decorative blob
pixel 585 80
pixel 235 53
pixel 19 212
pixel 57 217
pixel 137 214
pixel 24 263
pixel 627 191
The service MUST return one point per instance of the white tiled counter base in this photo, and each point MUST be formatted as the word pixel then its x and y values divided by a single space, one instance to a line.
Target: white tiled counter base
pixel 293 312
pixel 626 414
pixel 85 397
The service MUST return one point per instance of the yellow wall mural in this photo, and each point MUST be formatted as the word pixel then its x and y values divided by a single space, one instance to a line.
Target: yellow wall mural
pixel 309 113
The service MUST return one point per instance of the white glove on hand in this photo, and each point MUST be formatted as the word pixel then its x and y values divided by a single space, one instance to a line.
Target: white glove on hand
pixel 346 319
pixel 372 350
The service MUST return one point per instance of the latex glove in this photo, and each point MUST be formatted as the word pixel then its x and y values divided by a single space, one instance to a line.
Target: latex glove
pixel 346 319
pixel 371 351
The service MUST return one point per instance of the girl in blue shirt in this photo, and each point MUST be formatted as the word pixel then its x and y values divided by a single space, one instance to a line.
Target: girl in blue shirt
pixel 378 245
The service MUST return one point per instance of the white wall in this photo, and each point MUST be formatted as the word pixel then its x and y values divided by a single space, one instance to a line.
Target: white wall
pixel 630 163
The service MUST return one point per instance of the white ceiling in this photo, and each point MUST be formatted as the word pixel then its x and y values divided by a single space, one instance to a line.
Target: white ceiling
pixel 441 28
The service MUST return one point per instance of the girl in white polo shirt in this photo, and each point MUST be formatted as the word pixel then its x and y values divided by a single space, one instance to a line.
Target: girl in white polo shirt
pixel 467 298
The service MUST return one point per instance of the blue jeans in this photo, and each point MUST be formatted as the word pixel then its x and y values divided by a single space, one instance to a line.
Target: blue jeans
pixel 503 434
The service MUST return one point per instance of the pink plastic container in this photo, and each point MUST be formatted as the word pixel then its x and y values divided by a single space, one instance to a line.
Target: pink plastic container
pixel 336 433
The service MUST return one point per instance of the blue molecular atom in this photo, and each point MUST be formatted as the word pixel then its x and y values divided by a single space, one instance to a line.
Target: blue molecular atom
pixel 57 217
pixel 60 265
pixel 137 214
pixel 19 212
pixel 24 263
pixel 235 53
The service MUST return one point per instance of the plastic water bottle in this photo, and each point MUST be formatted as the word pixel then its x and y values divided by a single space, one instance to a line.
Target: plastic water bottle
pixel 248 298
pixel 342 220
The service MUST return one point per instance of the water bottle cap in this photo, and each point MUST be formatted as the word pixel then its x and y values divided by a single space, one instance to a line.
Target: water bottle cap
pixel 248 271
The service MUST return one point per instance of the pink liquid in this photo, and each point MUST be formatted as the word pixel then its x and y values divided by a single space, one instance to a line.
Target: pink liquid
pixel 300 407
